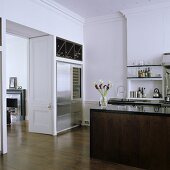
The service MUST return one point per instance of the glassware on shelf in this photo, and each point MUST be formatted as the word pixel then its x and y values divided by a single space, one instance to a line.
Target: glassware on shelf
pixel 121 92
pixel 141 62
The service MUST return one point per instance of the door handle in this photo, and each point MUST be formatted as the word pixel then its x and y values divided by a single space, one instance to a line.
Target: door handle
pixel 49 107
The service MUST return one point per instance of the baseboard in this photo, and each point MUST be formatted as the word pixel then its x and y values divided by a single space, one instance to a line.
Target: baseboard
pixel 86 123
pixel 83 124
pixel 66 130
pixel 26 117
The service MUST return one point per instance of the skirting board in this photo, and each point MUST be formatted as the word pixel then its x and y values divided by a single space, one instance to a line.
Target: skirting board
pixel 87 105
pixel 65 130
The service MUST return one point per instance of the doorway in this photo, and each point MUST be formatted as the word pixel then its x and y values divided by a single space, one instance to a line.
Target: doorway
pixel 33 71
pixel 17 50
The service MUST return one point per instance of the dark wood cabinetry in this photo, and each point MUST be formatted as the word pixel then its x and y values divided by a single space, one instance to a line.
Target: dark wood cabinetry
pixel 68 49
pixel 137 140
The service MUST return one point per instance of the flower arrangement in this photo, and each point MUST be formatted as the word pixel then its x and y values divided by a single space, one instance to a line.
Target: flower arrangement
pixel 103 88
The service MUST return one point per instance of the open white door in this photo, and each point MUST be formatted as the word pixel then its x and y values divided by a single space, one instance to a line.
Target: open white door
pixel 42 113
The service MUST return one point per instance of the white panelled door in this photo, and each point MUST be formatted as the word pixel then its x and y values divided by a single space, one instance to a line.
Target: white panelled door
pixel 41 104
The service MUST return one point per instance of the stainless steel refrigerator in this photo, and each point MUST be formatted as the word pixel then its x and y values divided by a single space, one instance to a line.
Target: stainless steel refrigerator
pixel 69 96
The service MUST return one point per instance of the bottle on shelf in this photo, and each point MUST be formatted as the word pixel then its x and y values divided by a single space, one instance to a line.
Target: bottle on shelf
pixel 143 93
pixel 143 73
pixel 139 72
pixel 139 93
pixel 146 72
pixel 149 72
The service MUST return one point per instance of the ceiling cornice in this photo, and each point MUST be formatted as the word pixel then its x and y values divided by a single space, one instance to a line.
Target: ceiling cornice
pixel 106 18
pixel 61 9
pixel 148 8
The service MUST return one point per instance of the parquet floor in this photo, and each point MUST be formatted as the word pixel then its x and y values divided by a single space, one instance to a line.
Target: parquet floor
pixel 68 151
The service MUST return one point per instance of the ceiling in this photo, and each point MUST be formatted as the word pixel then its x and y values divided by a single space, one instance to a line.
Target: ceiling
pixel 94 8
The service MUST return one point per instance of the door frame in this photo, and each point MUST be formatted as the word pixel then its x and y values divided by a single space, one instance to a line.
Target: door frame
pixel 3 125
pixel 3 91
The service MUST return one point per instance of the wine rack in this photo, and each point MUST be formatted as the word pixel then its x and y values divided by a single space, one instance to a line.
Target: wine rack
pixel 76 83
pixel 68 49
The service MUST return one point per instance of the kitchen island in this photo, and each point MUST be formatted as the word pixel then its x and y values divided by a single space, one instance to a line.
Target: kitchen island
pixel 138 136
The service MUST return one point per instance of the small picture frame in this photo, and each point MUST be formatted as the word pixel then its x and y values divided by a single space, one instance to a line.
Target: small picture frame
pixel 13 82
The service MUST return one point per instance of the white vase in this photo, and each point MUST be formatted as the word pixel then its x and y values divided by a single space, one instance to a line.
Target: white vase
pixel 103 102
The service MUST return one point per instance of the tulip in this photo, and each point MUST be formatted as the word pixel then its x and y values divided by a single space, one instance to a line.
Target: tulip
pixel 103 88
pixel 96 86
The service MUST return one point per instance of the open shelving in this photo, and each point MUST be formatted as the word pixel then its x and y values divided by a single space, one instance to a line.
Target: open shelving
pixel 143 99
pixel 146 78
pixel 154 65
pixel 156 80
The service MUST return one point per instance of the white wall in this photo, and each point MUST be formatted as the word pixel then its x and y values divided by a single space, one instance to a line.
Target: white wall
pixel 1 7
pixel 16 60
pixel 33 14
pixel 167 30
pixel 104 41
pixel 145 38
pixel 105 56
pixel 148 35
pixel 45 18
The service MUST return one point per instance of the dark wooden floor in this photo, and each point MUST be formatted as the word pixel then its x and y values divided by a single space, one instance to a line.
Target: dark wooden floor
pixel 69 151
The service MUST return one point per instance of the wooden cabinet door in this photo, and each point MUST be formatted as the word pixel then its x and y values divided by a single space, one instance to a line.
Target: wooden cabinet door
pixel 159 143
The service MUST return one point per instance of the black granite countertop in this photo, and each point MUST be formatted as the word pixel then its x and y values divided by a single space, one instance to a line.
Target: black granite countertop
pixel 137 110
pixel 116 101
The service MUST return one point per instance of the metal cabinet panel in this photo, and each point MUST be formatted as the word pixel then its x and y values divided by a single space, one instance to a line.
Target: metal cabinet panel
pixel 69 109
pixel 76 112
pixel 63 96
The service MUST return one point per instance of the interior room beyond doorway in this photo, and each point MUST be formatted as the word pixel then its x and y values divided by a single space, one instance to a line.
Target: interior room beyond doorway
pixel 17 69
pixel 16 77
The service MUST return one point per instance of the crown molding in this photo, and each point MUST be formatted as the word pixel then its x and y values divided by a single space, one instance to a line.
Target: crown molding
pixel 61 9
pixel 106 18
pixel 148 8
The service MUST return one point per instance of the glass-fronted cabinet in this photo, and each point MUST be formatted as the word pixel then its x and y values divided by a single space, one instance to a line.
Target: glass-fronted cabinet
pixel 76 83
